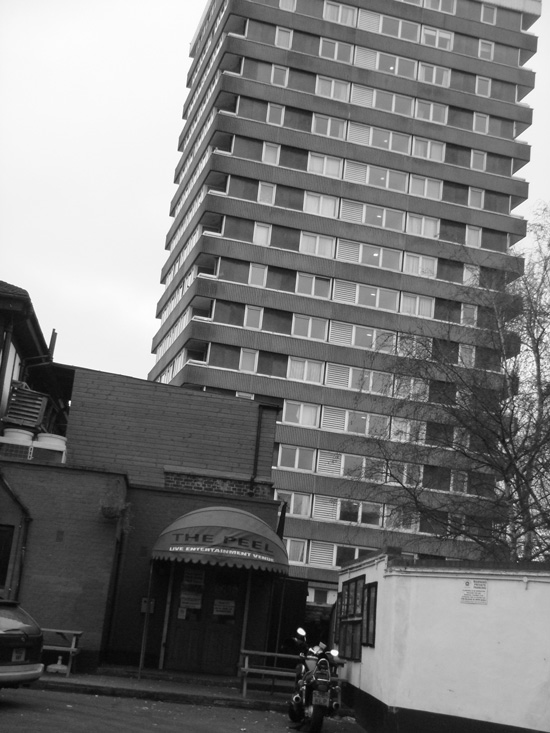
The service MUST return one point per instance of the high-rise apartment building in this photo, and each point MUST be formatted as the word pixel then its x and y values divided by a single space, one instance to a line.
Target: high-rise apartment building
pixel 345 199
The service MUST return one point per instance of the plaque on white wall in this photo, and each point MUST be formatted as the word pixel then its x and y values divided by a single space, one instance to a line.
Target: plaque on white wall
pixel 474 591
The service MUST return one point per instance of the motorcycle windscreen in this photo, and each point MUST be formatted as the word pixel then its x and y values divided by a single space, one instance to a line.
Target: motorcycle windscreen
pixel 223 536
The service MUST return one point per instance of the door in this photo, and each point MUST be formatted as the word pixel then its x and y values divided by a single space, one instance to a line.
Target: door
pixel 207 608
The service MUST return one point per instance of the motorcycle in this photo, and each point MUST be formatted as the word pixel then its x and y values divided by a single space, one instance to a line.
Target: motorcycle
pixel 317 693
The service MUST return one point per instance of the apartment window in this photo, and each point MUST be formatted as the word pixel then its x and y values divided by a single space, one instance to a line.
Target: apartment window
pixel 488 14
pixel 253 316
pixel 478 160
pixel 486 50
pixel 429 149
pixel 444 6
pixel 297 504
pixel 329 126
pixel 459 482
pixel 473 236
pixel 270 153
pixel 248 361
pixel 375 216
pixel 317 244
pixel 422 226
pixel 385 62
pixel 377 137
pixel 468 316
pixel 315 203
pixel 405 474
pixel 257 275
pixel 335 50
pixel 388 25
pixel 305 370
pixel 431 111
pixel 410 388
pixel 428 188
pixel 466 355
pixel 419 265
pixel 476 198
pixel 481 123
pixel 417 305
pixel 324 165
pixel 339 13
pixel 310 327
pixel 266 193
pixel 279 76
pixel 348 334
pixel 437 38
pixel 314 285
pixel 365 295
pixel 275 114
pixel 361 380
pixel 283 38
pixel 368 254
pixel 470 275
pixel 262 234
pixel 414 347
pixel 296 550
pixel 332 88
pixel 300 459
pixel 483 86
pixel 438 75
pixel 407 431
pixel 301 413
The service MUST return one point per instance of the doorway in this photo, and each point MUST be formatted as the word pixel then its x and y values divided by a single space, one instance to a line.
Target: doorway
pixel 206 618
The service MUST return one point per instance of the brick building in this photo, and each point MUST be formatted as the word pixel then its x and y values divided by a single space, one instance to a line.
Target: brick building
pixel 83 510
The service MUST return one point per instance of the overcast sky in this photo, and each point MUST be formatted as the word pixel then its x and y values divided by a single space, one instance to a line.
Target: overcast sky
pixel 91 93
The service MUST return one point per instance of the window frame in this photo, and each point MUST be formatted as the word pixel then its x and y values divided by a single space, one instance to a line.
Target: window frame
pixel 250 353
pixel 481 82
pixel 272 106
pixel 274 69
pixel 290 33
pixel 261 226
pixel 264 187
pixel 490 48
pixel 487 8
pixel 274 148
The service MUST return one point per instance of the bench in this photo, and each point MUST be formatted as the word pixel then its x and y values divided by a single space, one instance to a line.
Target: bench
pixel 63 641
pixel 265 670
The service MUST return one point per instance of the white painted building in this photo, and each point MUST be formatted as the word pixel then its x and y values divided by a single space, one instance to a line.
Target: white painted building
pixel 439 647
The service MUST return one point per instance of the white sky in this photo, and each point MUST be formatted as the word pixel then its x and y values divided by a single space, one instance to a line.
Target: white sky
pixel 91 93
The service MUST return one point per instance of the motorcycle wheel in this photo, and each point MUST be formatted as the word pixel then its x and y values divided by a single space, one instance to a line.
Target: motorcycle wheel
pixel 295 713
pixel 316 720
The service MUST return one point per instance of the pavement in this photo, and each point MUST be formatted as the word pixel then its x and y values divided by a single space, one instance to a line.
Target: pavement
pixel 170 687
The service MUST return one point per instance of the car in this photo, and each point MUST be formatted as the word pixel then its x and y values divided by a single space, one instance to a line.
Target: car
pixel 20 646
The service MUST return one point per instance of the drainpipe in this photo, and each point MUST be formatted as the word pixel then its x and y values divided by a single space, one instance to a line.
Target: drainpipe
pixel 256 458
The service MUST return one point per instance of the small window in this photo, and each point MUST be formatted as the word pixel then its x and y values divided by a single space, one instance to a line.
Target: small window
pixel 466 355
pixel 300 459
pixel 329 126
pixel 297 504
pixel 253 317
pixel 305 370
pixel 478 161
pixel 279 76
pixel 473 236
pixel 257 275
pixel 437 38
pixel 301 413
pixel 325 165
pixel 266 193
pixel 336 50
pixel 488 14
pixel 248 361
pixel 289 5
pixel 338 13
pixel 481 123
pixel 270 153
pixel 317 244
pixel 262 234
pixel 275 114
pixel 283 38
pixel 310 327
pixel 476 197
pixel 483 86
pixel 318 287
pixel 486 50
pixel 468 315
pixel 296 550
pixel 315 203
pixel 444 6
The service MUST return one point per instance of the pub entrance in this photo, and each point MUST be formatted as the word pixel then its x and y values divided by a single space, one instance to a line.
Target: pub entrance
pixel 206 618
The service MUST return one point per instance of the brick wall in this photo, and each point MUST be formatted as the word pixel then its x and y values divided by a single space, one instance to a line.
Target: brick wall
pixel 70 546
pixel 211 484
pixel 121 423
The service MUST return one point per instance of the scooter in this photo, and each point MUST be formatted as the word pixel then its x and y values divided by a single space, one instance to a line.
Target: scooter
pixel 318 692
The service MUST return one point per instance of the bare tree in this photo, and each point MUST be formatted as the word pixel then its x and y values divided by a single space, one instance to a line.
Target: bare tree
pixel 474 463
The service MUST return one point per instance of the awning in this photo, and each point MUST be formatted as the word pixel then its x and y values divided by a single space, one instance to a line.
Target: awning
pixel 222 536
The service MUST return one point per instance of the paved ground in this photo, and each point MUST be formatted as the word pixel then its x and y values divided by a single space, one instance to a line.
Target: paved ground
pixel 35 710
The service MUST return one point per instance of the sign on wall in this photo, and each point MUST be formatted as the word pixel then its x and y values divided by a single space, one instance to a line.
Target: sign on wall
pixel 474 591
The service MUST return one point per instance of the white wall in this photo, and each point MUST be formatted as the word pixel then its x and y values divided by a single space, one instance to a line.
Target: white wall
pixel 488 662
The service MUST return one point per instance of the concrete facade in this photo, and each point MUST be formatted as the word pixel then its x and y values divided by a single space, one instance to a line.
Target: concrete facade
pixel 344 207
pixel 456 648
